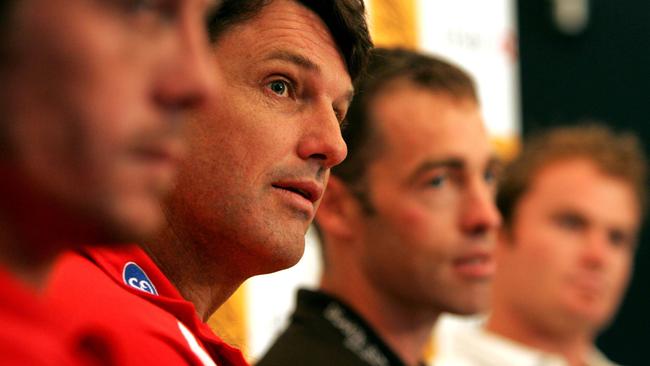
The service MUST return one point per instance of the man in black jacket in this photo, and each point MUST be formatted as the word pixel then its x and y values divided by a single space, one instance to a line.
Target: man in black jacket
pixel 407 222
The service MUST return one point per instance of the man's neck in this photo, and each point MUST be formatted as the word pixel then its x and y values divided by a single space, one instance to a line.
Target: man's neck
pixel 574 346
pixel 404 329
pixel 20 260
pixel 35 228
pixel 207 284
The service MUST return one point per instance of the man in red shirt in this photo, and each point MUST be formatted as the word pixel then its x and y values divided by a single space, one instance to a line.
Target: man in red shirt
pixel 261 157
pixel 92 97
pixel 123 289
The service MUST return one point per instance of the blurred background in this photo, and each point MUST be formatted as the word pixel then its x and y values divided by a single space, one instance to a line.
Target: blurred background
pixel 537 63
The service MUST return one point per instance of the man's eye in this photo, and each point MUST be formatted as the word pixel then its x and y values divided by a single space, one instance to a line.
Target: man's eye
pixel 620 238
pixel 344 124
pixel 279 87
pixel 571 222
pixel 490 176
pixel 139 5
pixel 437 181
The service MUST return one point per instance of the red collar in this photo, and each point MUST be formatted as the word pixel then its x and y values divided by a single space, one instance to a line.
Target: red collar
pixel 136 272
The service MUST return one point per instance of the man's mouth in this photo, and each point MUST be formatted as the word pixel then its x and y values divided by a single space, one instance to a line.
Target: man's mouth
pixel 309 190
pixel 593 284
pixel 478 265
pixel 304 194
pixel 166 153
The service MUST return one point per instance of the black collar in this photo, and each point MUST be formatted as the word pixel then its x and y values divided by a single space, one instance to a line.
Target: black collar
pixel 352 331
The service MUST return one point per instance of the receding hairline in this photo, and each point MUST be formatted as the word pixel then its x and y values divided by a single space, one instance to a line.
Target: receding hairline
pixel 402 83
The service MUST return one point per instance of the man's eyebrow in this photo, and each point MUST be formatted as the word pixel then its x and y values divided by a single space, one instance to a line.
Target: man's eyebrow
pixel 294 58
pixel 428 165
pixel 452 163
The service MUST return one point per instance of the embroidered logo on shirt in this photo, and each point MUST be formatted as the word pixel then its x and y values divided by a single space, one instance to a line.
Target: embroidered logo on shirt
pixel 135 277
pixel 356 339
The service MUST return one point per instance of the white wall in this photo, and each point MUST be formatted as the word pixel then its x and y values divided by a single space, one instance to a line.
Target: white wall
pixel 271 298
pixel 479 35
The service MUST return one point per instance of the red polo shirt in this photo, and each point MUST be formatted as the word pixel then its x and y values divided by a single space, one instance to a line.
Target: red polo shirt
pixel 122 289
pixel 33 332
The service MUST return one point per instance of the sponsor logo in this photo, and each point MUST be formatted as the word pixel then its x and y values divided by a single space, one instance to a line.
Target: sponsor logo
pixel 135 277
pixel 355 338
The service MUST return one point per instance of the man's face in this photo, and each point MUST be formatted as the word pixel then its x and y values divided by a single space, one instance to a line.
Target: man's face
pixel 93 95
pixel 261 154
pixel 572 240
pixel 429 241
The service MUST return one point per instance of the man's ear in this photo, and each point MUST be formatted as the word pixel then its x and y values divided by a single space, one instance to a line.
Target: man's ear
pixel 338 211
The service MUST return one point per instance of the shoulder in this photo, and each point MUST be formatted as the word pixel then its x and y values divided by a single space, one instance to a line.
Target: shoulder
pixel 79 285
pixel 304 345
pixel 91 302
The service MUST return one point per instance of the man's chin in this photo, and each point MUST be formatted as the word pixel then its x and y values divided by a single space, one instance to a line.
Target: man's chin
pixel 593 316
pixel 473 304
pixel 133 221
pixel 283 255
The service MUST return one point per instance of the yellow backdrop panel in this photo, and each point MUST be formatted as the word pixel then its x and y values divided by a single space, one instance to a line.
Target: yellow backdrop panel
pixel 394 23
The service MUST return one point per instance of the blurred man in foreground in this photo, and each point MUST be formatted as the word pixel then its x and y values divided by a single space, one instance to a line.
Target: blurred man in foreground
pixel 407 223
pixel 572 204
pixel 261 156
pixel 93 94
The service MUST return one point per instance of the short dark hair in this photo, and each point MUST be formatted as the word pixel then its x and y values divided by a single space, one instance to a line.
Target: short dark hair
pixel 345 20
pixel 386 65
pixel 615 154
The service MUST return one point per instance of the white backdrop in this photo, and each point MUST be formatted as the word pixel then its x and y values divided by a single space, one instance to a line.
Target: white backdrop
pixel 271 298
pixel 479 35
